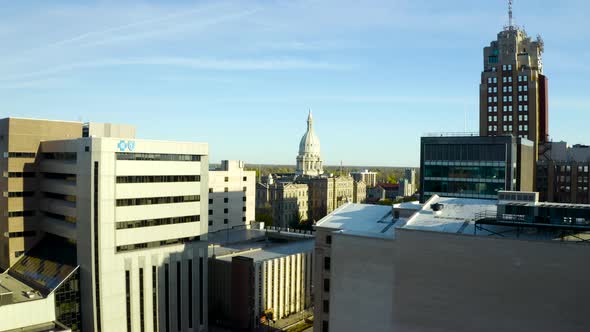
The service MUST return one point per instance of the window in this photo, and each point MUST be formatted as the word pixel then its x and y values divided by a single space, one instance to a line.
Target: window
pixel 510 88
pixel 325 326
pixel 210 200
pixel 489 80
pixel 490 90
pixel 210 190
pixel 226 179
pixel 225 200
pixel 244 189
pixel 21 174
pixel 495 108
pixel 157 200
pixel 226 221
pixel 520 108
pixel 519 78
pixel 128 299
pixel 210 222
pixel 526 117
pixel 225 189
pixel 155 298
pixel 495 99
pixel 490 109
pixel 490 99
pixel 326 263
pixel 490 118
pixel 244 199
pixel 328 239
pixel 326 306
pixel 156 156
pixel 519 88
pixel 158 178
pixel 210 212
pixel 245 178
pixel 503 67
pixel 226 210
pixel 155 222
pixel 525 127
pixel 495 79
pixel 504 79
pixel 22 234
pixel 489 128
pixel 524 78
pixel 509 67
pixel 21 154
pixel 244 209
pixel 519 98
pixel 505 98
pixel 190 293
pixel 244 219
pixel 519 127
pixel 13 214
pixel 326 285
pixel 509 79
pixel 526 98
pixel 525 88
pixel 141 302
pixel 21 194
pixel 526 108
pixel 504 89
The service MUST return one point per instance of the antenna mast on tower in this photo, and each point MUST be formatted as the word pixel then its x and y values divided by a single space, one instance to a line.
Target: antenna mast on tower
pixel 510 21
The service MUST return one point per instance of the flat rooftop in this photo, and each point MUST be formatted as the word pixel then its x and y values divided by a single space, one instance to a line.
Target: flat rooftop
pixel 13 290
pixel 457 215
pixel 361 220
pixel 267 251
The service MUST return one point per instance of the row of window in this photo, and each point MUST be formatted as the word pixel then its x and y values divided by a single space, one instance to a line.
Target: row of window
pixel 508 128
pixel 158 178
pixel 60 176
pixel 21 194
pixel 156 244
pixel 158 200
pixel 508 108
pixel 157 156
pixel 21 174
pixel 226 210
pixel 68 198
pixel 22 234
pixel 60 156
pixel 226 200
pixel 226 179
pixel 508 79
pixel 69 219
pixel 226 189
pixel 157 222
pixel 225 221
pixel 19 154
pixel 507 118
pixel 13 214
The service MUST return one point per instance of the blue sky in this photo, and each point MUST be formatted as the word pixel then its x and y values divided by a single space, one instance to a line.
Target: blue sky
pixel 241 75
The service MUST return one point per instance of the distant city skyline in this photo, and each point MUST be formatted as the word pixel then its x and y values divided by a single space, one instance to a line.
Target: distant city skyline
pixel 242 76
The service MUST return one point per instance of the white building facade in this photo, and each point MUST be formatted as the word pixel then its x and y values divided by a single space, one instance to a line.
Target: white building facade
pixel 232 195
pixel 138 214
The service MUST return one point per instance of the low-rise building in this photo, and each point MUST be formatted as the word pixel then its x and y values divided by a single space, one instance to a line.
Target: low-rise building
pixel 266 276
pixel 456 265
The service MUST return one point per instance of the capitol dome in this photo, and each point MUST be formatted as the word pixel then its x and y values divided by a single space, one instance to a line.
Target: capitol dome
pixel 310 143
pixel 309 162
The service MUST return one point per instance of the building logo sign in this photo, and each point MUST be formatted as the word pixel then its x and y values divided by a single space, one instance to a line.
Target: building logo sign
pixel 126 145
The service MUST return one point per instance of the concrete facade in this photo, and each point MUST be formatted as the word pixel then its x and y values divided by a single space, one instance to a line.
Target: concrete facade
pixel 232 195
pixel 19 146
pixel 137 211
pixel 429 273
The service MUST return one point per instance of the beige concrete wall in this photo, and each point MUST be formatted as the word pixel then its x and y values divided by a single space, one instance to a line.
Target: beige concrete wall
pixel 361 285
pixel 450 282
pixel 23 135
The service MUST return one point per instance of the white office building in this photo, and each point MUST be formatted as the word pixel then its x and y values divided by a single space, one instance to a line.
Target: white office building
pixel 134 208
pixel 232 194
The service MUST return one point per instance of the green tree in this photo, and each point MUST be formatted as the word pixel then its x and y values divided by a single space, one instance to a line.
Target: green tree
pixel 265 218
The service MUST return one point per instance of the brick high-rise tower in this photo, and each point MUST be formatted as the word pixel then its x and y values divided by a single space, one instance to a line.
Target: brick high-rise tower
pixel 513 89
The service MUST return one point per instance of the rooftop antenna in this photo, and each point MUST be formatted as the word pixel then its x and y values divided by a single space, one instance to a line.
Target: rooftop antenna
pixel 510 21
pixel 340 167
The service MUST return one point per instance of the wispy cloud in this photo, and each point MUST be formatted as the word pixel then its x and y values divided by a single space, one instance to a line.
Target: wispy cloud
pixel 186 62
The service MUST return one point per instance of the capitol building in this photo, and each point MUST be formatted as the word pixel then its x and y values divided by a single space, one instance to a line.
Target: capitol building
pixel 309 194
